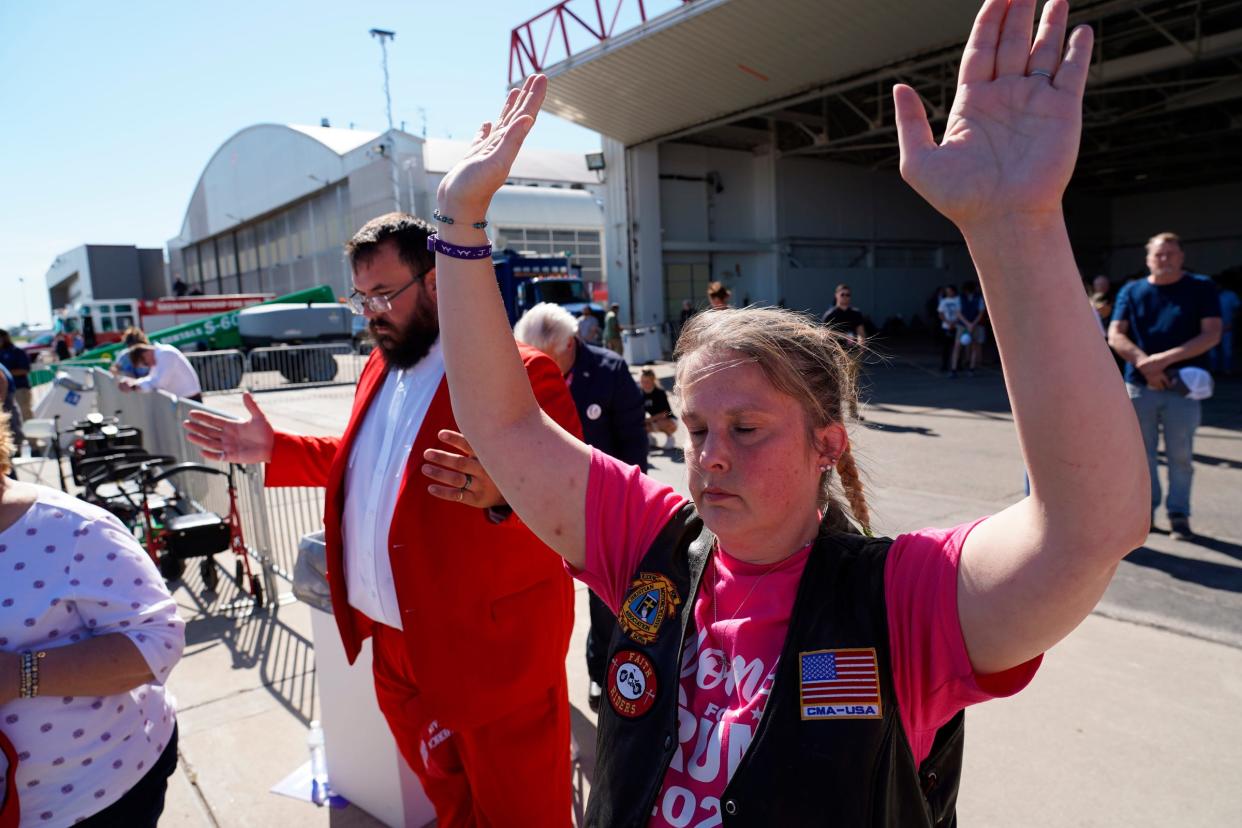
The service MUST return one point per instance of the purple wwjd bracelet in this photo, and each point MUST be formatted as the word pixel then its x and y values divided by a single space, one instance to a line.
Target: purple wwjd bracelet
pixel 436 245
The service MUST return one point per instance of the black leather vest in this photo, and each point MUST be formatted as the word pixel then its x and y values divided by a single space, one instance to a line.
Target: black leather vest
pixel 832 768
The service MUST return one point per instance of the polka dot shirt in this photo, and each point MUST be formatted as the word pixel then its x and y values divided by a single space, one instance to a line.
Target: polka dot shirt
pixel 69 571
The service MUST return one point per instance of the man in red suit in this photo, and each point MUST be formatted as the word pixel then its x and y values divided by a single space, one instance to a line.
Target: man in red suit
pixel 469 613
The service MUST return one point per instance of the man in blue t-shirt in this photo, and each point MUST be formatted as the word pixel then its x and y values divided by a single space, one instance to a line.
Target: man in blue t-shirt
pixel 18 363
pixel 1161 324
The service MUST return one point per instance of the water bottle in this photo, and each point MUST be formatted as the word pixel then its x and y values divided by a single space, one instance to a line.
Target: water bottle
pixel 318 760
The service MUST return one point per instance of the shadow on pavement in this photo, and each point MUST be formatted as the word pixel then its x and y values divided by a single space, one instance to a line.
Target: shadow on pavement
pixel 895 429
pixel 284 657
pixel 1208 460
pixel 1224 547
pixel 907 372
pixel 1205 573
pixel 582 725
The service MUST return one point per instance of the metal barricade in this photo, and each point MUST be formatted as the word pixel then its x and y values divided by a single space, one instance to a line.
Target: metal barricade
pixel 303 365
pixel 218 371
pixel 279 366
pixel 273 520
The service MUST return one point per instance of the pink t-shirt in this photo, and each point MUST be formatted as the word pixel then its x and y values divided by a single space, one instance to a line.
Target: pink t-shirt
pixel 728 669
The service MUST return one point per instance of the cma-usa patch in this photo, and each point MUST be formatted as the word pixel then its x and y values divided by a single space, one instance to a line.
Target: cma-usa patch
pixel 839 684
pixel 652 600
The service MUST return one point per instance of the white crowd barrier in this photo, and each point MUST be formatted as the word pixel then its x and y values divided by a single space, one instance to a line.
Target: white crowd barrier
pixel 273 520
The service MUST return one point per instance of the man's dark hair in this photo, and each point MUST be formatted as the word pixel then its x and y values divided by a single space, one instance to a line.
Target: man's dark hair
pixel 409 233
pixel 5 340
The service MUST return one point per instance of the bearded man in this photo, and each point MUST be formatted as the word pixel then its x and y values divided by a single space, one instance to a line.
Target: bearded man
pixel 469 613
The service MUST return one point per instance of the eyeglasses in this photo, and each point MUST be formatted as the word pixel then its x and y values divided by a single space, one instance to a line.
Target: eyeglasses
pixel 360 303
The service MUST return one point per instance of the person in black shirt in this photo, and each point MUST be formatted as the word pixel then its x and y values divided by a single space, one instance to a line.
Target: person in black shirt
pixel 844 318
pixel 660 417
pixel 848 322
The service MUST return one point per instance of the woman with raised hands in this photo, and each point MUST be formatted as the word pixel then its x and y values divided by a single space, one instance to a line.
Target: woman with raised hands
pixel 772 664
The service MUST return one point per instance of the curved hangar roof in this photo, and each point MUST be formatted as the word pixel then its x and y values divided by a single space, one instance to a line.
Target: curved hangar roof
pixel 267 165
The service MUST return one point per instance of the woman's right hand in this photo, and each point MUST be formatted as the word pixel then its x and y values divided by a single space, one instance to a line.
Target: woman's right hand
pixel 467 190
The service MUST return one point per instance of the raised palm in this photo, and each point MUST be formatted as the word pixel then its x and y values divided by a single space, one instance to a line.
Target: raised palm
pixel 1012 136
pixel 230 440
pixel 469 186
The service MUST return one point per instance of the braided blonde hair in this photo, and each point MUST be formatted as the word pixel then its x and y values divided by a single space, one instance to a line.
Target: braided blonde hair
pixel 803 360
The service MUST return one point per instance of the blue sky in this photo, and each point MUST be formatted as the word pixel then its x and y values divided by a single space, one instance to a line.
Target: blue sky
pixel 110 110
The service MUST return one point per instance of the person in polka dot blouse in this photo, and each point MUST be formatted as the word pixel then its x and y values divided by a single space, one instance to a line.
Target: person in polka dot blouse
pixel 97 744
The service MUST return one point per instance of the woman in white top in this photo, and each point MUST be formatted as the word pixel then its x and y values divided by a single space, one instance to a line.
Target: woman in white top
pixel 91 727
pixel 948 308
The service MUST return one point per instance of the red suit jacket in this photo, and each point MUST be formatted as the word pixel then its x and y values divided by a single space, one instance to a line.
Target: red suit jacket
pixel 486 608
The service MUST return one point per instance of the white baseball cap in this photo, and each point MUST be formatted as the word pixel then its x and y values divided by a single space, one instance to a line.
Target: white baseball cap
pixel 1198 383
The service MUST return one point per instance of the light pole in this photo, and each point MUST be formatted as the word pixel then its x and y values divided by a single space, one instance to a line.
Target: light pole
pixel 25 306
pixel 383 36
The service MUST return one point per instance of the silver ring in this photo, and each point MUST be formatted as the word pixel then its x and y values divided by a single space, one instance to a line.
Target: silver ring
pixel 1040 72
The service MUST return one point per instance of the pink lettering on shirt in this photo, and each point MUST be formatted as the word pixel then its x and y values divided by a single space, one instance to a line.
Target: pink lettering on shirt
pixel 728 668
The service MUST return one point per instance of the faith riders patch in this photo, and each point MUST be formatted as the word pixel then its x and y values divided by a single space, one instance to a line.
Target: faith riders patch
pixel 839 684
pixel 631 684
pixel 653 599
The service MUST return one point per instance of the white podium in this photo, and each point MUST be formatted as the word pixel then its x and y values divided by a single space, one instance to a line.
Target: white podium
pixel 364 765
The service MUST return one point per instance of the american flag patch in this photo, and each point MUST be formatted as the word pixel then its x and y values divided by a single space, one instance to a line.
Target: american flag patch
pixel 839 684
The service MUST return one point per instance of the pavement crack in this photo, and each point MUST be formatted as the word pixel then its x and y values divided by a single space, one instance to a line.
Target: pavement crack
pixel 244 691
pixel 183 764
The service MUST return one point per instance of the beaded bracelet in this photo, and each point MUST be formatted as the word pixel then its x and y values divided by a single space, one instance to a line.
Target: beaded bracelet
pixel 443 219
pixel 29 684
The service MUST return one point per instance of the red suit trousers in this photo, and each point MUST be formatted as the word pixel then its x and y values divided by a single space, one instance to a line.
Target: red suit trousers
pixel 512 770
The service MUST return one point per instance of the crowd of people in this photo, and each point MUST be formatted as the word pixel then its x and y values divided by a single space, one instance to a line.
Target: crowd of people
pixel 755 651
pixel 545 458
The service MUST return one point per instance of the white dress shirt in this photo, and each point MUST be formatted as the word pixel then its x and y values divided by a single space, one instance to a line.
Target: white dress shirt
pixel 172 373
pixel 71 571
pixel 377 463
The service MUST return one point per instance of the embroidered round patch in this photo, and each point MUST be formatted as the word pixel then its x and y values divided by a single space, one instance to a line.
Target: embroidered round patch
pixel 631 683
pixel 652 600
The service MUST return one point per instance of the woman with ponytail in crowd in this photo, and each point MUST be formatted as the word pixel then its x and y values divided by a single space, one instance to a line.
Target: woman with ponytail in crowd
pixel 773 662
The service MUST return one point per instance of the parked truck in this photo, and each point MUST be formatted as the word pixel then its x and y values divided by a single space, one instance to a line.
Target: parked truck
pixel 525 280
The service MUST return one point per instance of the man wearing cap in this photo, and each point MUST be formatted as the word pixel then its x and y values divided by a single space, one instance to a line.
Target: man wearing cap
pixel 167 370
pixel 1163 327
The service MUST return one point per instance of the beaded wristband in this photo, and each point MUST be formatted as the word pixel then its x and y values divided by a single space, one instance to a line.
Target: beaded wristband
pixel 29 685
pixel 454 251
pixel 443 219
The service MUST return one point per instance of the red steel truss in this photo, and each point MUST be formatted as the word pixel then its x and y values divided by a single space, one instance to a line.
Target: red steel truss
pixel 569 17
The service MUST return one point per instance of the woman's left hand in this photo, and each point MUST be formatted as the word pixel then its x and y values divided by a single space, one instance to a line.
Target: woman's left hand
pixel 459 478
pixel 467 190
pixel 1012 135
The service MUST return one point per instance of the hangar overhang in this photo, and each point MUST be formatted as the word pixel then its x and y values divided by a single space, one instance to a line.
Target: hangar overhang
pixel 808 77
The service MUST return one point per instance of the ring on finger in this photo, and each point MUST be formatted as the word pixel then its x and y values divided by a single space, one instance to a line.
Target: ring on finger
pixel 1043 73
pixel 466 486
